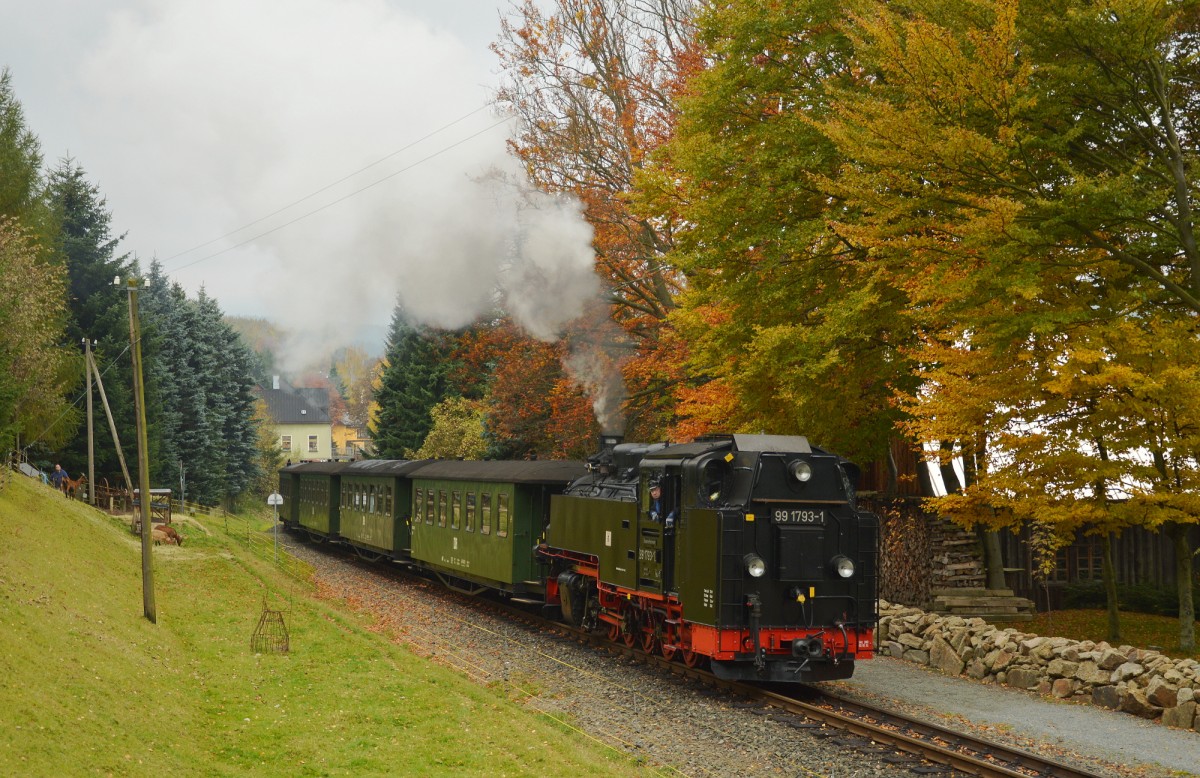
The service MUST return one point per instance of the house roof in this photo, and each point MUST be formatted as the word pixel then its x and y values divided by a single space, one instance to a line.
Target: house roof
pixel 289 405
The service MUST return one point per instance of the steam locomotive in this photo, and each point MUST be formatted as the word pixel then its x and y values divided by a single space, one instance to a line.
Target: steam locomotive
pixel 746 552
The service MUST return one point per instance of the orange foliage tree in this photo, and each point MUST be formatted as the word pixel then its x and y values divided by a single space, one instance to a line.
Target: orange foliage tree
pixel 533 409
pixel 593 81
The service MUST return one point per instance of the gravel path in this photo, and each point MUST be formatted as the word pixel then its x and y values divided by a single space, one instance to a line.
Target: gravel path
pixel 1111 743
pixel 679 727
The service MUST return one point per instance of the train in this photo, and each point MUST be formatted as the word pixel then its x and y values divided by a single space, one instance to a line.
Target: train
pixel 747 553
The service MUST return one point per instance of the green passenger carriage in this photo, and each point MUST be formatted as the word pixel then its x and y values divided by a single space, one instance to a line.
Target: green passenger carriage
pixel 310 493
pixel 477 523
pixel 375 505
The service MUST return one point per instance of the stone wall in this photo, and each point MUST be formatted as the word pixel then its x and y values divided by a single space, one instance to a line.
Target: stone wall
pixel 1145 683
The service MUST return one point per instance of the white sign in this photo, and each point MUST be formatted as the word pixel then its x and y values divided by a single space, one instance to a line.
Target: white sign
pixel 275 498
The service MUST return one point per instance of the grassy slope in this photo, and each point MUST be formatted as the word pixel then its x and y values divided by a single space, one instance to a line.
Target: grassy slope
pixel 88 685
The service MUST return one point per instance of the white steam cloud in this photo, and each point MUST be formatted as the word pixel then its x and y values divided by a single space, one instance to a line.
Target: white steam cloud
pixel 206 118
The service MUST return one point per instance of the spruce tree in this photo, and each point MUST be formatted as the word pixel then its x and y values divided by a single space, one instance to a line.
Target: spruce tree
pixel 413 382
pixel 20 163
pixel 97 309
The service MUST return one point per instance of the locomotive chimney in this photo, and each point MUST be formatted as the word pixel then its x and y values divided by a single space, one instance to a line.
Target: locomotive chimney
pixel 610 441
pixel 602 460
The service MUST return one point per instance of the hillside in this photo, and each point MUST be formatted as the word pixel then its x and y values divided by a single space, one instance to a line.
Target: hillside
pixel 89 686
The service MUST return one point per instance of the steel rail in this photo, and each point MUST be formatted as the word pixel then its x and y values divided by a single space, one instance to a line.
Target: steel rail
pixel 921 739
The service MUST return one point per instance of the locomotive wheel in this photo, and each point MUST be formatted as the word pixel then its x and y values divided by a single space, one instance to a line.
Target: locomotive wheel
pixel 668 652
pixel 691 658
pixel 614 632
pixel 648 642
pixel 630 638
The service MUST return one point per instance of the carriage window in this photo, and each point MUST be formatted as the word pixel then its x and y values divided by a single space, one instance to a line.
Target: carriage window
pixel 470 511
pixel 485 513
pixel 371 495
pixel 441 507
pixel 456 511
pixel 387 500
pixel 502 515
pixel 419 505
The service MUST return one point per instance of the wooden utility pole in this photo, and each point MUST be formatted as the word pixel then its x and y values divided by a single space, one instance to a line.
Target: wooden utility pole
pixel 139 404
pixel 112 425
pixel 91 484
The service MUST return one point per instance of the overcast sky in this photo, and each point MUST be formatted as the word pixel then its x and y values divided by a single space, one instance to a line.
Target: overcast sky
pixel 196 118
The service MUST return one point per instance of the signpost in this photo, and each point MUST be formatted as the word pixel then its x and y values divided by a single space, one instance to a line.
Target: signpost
pixel 275 499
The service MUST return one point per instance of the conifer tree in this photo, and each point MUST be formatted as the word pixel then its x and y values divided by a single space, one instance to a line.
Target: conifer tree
pixel 21 185
pixel 413 382
pixel 98 309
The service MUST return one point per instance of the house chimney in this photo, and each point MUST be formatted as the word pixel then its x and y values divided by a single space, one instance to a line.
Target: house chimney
pixel 274 382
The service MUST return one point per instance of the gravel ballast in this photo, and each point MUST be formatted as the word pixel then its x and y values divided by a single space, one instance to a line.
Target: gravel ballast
pixel 682 727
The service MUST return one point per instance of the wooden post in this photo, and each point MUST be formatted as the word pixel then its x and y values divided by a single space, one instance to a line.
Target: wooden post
pixel 91 484
pixel 139 404
pixel 112 425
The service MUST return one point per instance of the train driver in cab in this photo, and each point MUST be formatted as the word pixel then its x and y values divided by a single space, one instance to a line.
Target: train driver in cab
pixel 660 511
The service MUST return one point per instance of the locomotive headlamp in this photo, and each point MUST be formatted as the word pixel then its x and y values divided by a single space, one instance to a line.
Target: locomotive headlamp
pixel 800 470
pixel 755 565
pixel 843 566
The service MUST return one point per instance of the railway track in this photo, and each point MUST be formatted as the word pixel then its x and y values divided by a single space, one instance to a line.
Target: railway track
pixel 909 743
pixel 958 750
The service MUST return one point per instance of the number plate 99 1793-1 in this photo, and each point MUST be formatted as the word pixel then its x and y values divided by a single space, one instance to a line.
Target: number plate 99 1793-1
pixel 799 516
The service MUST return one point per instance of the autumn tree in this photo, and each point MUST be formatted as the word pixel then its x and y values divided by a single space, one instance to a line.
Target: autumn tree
pixel 786 326
pixel 593 82
pixel 533 408
pixel 34 368
pixel 1037 155
pixel 354 372
pixel 457 431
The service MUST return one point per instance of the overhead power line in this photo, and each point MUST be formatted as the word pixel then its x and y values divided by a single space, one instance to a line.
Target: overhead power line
pixel 332 184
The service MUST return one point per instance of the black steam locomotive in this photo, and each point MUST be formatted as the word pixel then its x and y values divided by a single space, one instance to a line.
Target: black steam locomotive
pixel 745 551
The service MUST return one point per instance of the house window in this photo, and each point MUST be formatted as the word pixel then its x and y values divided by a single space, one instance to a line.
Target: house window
pixel 312 444
pixel 285 442
pixel 1089 560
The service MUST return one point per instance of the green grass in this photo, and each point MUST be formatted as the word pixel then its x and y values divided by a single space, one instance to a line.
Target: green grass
pixel 89 686
pixel 1137 629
